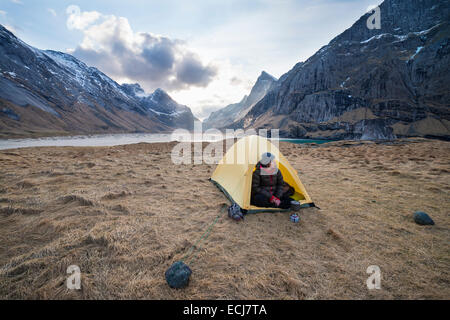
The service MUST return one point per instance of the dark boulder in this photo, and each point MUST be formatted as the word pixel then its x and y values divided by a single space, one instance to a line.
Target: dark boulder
pixel 177 276
pixel 422 218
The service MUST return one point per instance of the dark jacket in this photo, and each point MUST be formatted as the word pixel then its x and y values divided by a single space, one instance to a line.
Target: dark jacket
pixel 268 185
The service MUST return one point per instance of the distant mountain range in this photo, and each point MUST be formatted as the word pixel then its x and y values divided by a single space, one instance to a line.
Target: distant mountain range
pixel 365 84
pixel 49 92
pixel 368 84
pixel 236 111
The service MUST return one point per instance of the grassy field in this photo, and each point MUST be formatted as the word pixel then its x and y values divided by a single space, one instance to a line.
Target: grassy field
pixel 124 214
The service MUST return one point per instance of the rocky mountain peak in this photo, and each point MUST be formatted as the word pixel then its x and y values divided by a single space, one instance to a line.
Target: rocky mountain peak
pixel 233 112
pixel 6 33
pixel 369 83
pixel 399 17
pixel 161 95
pixel 133 89
pixel 51 91
pixel 265 76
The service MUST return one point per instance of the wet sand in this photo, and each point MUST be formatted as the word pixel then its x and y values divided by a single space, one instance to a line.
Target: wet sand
pixel 124 214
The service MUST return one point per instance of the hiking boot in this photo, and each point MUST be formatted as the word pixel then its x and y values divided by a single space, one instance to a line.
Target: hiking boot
pixel 234 212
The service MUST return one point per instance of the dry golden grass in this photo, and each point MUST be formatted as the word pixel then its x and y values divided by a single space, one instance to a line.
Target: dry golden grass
pixel 124 214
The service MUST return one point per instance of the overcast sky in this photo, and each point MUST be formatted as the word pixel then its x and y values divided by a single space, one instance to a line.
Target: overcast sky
pixel 205 54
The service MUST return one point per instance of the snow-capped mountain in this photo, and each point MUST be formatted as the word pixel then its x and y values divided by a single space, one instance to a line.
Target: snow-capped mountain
pixel 48 92
pixel 163 106
pixel 369 83
pixel 236 111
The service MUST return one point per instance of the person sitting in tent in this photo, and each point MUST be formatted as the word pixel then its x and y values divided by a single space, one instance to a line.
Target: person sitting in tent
pixel 268 186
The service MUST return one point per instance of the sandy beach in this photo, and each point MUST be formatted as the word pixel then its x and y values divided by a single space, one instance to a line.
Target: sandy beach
pixel 124 214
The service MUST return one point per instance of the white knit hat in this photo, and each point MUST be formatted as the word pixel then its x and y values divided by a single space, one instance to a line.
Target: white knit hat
pixel 266 158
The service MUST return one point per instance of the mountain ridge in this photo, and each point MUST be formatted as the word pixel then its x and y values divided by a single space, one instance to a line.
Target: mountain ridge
pixel 47 92
pixel 368 84
pixel 235 111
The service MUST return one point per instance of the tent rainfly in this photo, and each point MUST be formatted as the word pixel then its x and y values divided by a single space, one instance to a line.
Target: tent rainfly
pixel 233 174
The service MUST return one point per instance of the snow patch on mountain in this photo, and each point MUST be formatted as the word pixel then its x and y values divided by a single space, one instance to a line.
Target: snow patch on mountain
pixel 415 54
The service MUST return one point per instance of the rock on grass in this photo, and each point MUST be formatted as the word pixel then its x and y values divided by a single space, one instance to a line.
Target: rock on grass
pixel 177 276
pixel 422 218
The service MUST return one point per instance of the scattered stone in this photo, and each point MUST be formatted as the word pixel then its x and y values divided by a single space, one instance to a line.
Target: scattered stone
pixel 177 276
pixel 422 218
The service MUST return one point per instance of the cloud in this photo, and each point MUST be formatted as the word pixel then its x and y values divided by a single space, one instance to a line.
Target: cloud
pixel 17 1
pixel 80 20
pixel 52 11
pixel 191 71
pixel 235 81
pixel 154 61
pixel 3 13
pixel 219 92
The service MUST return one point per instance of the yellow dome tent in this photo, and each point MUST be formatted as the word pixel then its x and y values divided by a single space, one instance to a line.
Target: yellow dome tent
pixel 233 174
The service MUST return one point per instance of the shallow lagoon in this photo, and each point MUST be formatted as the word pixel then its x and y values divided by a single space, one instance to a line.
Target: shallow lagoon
pixel 108 140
